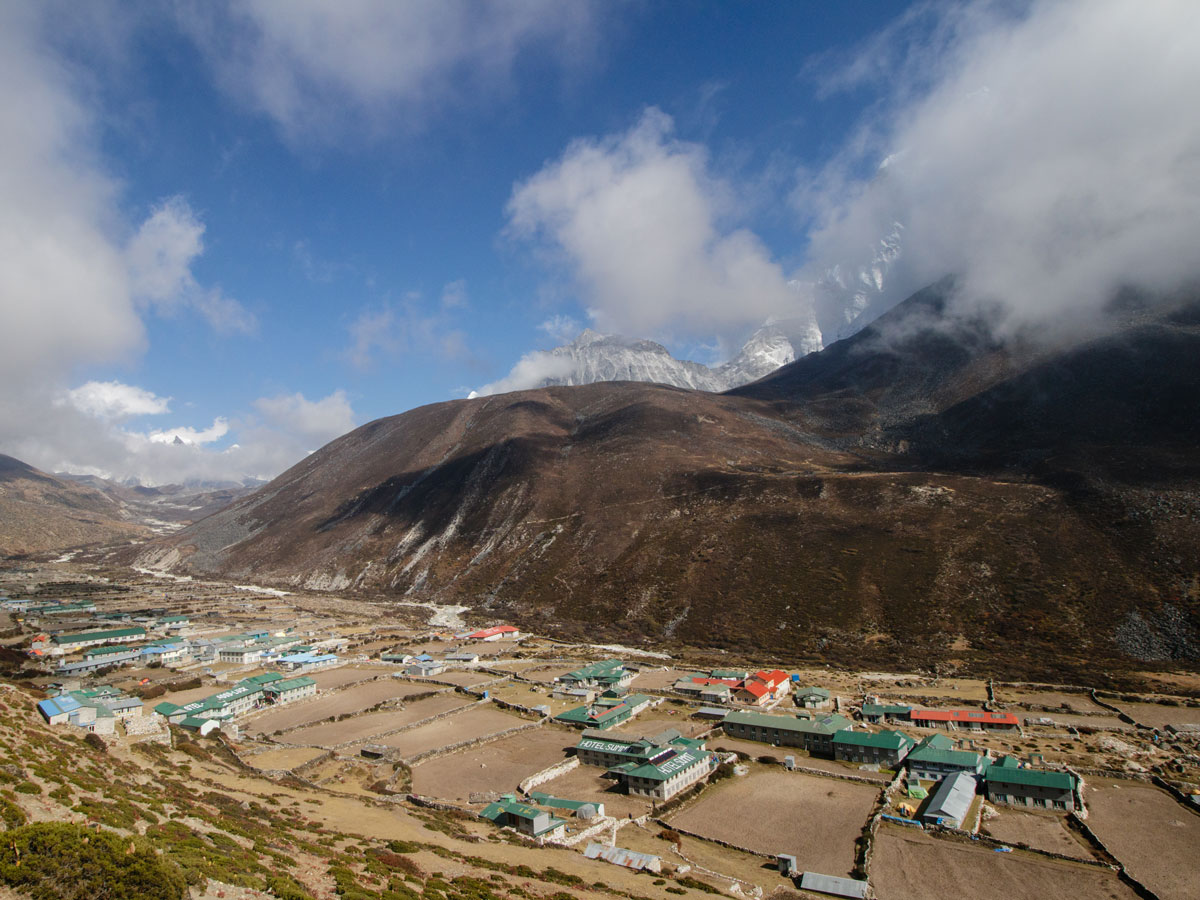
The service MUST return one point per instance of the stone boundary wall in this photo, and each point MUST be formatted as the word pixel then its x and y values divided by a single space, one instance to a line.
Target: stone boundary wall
pixel 442 805
pixel 299 771
pixel 1138 888
pixel 470 742
pixel 549 773
pixel 409 727
pixel 804 770
pixel 1124 717
pixel 1176 793
pixel 345 745
pixel 605 823
pixel 866 842
pixel 667 825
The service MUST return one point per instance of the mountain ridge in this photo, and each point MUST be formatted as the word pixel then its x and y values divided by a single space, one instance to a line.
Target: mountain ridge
pixel 807 508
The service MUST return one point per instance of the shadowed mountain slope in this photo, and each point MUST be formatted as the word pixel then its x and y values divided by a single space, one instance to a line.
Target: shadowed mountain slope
pixel 861 504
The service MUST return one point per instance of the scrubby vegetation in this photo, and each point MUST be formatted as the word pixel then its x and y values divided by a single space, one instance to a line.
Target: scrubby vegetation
pixel 58 861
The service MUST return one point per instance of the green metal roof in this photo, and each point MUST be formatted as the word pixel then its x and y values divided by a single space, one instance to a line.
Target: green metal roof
pixel 826 725
pixel 1000 774
pixel 109 635
pixel 598 671
pixel 558 802
pixel 888 740
pixel 963 758
pixel 289 684
pixel 668 768
pixel 885 709
pixel 93 652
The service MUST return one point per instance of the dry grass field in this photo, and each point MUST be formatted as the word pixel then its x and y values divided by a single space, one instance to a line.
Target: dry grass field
pixel 744 867
pixel 498 766
pixel 1161 850
pixel 1158 715
pixel 357 728
pixel 910 865
pixel 1104 722
pixel 1080 703
pixel 771 811
pixel 1042 831
pixel 352 699
pixel 529 695
pixel 461 677
pixel 343 675
pixel 473 723
pixel 288 758
pixel 660 718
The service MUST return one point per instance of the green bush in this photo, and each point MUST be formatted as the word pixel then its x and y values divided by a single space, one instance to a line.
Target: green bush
pixel 55 861
pixel 13 815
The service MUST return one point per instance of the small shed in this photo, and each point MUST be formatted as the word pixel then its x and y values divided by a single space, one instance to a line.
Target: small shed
pixel 830 884
pixel 619 856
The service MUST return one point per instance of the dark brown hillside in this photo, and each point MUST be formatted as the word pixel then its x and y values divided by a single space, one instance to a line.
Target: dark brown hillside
pixel 781 519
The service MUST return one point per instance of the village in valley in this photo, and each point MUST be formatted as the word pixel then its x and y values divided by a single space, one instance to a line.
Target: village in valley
pixel 699 772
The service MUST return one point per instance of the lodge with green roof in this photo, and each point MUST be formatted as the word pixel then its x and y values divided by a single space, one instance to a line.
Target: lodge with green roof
pixel 525 819
pixel 885 748
pixel 241 698
pixel 675 768
pixel 607 673
pixel 886 712
pixel 813 735
pixel 68 643
pixel 606 712
pixel 935 757
pixel 1007 781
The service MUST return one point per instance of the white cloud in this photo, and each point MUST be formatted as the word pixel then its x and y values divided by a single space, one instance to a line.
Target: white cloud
pixel 640 225
pixel 116 401
pixel 320 421
pixel 318 68
pixel 409 326
pixel 60 436
pixel 160 257
pixel 563 329
pixel 162 251
pixel 186 435
pixel 1048 158
pixel 78 276
pixel 532 370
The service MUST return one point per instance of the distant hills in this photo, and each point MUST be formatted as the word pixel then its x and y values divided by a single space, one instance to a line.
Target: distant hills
pixel 39 512
pixel 919 492
pixel 42 513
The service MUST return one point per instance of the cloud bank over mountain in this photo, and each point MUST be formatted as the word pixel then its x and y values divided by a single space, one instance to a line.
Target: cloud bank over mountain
pixel 1048 158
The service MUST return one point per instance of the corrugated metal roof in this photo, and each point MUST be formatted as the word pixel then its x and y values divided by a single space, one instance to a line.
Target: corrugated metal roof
pixel 1063 781
pixel 951 800
pixel 830 884
pixel 631 859
pixel 889 740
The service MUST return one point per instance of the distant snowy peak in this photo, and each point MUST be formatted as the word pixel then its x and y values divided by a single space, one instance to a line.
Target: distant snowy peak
pixel 849 297
pixel 594 357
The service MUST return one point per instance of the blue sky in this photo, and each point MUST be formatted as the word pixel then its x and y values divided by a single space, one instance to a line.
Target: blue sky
pixel 284 219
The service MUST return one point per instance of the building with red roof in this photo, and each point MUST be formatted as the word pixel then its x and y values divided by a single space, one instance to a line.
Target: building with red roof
pixel 969 719
pixel 495 633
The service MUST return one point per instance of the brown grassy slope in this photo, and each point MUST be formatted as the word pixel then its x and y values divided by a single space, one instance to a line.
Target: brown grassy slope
pixel 39 512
